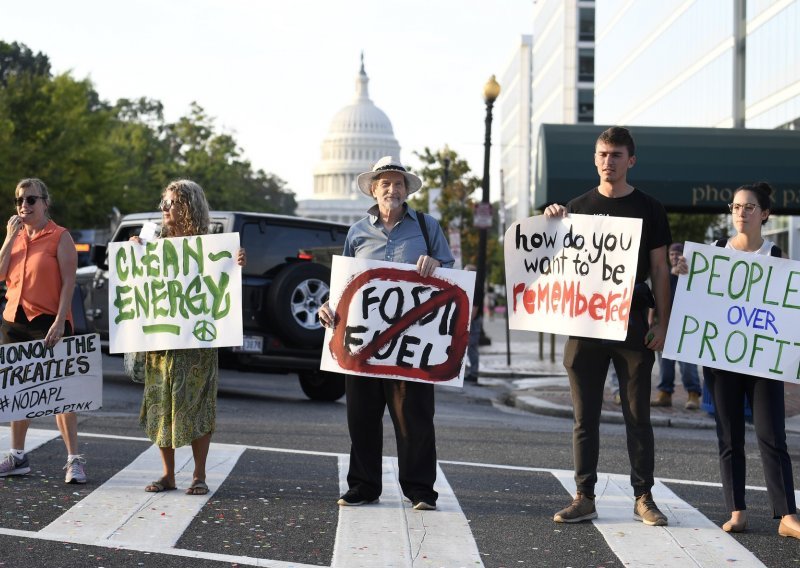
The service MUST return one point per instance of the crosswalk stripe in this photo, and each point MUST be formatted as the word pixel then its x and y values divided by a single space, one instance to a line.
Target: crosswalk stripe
pixel 35 438
pixel 691 539
pixel 391 534
pixel 121 513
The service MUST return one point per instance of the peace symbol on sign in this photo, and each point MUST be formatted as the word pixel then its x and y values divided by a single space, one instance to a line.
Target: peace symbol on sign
pixel 205 331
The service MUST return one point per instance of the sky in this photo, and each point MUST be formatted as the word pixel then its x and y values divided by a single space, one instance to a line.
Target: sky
pixel 274 73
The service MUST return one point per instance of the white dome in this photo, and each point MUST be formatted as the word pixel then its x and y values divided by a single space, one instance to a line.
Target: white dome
pixel 359 135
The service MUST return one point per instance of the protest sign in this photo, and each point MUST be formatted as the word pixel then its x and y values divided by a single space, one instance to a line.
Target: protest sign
pixel 392 323
pixel 737 311
pixel 572 275
pixel 40 381
pixel 175 293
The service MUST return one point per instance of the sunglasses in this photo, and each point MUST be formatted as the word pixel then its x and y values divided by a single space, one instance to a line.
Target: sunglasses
pixel 166 204
pixel 29 199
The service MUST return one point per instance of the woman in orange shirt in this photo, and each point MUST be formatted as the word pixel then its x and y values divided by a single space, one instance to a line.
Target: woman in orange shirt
pixel 38 262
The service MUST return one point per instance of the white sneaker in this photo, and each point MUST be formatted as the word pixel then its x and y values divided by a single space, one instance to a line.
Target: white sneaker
pixel 10 465
pixel 75 471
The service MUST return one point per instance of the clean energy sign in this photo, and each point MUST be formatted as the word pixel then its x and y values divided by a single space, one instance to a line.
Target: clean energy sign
pixel 175 293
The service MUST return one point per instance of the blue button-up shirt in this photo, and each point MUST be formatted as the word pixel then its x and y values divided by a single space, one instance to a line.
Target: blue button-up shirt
pixel 368 238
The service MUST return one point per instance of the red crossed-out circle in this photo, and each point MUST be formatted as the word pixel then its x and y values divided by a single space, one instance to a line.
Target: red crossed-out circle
pixel 358 362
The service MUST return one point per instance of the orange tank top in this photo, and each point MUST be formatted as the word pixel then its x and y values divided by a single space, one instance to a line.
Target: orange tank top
pixel 34 277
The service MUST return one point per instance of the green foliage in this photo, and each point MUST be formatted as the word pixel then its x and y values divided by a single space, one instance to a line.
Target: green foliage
pixel 455 202
pixel 95 156
pixel 18 59
pixel 693 226
pixel 456 205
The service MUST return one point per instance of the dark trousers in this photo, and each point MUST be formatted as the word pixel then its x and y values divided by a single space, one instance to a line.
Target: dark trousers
pixel 769 412
pixel 411 407
pixel 587 363
pixel 23 329
pixel 473 356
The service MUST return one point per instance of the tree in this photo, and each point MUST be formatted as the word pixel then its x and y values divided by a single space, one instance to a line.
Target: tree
pixel 18 59
pixel 455 203
pixel 694 226
pixel 55 129
pixel 95 156
pixel 215 161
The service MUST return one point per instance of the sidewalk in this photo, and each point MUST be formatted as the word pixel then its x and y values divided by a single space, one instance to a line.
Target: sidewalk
pixel 540 385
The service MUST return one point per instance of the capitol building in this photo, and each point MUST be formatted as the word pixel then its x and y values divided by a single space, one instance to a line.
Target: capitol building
pixel 359 135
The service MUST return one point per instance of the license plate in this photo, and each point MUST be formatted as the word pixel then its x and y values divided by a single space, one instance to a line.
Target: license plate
pixel 251 344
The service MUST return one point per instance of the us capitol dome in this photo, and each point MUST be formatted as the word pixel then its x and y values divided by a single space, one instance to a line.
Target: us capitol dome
pixel 359 135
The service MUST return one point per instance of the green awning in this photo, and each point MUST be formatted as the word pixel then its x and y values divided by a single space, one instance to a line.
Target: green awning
pixel 687 169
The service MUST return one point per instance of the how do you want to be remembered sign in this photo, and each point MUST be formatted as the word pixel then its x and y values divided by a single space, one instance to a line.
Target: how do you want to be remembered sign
pixel 44 381
pixel 392 323
pixel 572 275
pixel 737 311
pixel 176 293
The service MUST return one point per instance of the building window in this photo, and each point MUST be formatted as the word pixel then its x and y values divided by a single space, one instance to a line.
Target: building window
pixel 586 24
pixel 585 105
pixel 586 64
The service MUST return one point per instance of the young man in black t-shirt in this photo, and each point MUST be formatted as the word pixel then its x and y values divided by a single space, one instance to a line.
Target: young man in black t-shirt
pixel 586 360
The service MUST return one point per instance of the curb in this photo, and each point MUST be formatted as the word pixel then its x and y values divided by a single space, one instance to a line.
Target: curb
pixel 540 406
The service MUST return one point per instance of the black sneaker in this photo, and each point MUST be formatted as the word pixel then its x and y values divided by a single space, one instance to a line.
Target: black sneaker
pixel 581 509
pixel 353 499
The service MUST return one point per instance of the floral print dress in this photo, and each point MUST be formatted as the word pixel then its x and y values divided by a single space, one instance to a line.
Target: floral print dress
pixel 180 396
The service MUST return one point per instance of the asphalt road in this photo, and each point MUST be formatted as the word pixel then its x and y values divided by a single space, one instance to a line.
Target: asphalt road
pixel 275 505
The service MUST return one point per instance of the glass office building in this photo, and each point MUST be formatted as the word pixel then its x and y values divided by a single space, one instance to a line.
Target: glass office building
pixel 515 131
pixel 717 63
pixel 563 66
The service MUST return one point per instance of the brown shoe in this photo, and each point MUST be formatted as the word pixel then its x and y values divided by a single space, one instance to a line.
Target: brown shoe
pixel 645 510
pixel 581 509
pixel 694 401
pixel 662 399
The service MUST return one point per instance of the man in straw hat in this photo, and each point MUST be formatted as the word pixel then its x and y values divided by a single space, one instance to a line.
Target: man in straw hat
pixel 393 232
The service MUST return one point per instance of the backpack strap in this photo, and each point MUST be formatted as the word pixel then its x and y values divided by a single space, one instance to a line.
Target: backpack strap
pixel 423 226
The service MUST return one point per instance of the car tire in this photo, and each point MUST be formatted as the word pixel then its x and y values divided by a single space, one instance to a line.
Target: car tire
pixel 293 300
pixel 322 385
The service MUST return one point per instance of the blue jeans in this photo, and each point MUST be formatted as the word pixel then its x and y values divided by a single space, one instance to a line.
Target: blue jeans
pixel 689 376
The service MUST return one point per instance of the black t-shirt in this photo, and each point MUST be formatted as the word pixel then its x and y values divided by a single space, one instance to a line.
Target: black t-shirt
pixel 655 227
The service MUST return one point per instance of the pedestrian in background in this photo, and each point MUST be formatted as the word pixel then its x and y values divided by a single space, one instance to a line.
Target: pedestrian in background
pixel 38 261
pixel 750 211
pixel 587 360
pixel 689 375
pixel 179 402
pixel 393 232
pixel 475 330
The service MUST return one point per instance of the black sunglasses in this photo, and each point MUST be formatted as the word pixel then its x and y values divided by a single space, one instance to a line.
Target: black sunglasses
pixel 29 199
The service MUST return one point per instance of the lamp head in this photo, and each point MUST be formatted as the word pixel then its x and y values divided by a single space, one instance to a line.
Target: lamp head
pixel 491 90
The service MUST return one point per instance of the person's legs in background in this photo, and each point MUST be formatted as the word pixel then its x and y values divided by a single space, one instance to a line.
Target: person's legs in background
pixel 666 386
pixel 691 382
pixel 473 356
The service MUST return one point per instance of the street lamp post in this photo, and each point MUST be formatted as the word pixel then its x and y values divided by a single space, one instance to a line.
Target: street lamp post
pixel 491 90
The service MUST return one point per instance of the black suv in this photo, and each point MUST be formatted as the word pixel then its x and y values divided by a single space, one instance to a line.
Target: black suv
pixel 286 279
